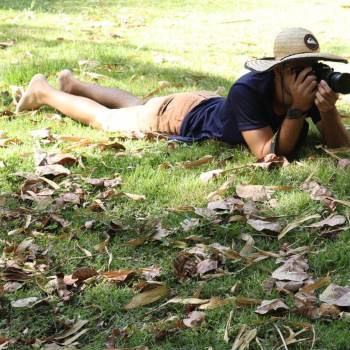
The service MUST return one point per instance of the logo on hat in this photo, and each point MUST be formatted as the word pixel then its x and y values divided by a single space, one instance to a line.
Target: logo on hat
pixel 311 42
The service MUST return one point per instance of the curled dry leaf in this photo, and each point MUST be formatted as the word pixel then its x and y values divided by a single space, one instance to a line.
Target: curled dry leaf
pixel 211 175
pixel 320 193
pixel 261 225
pixel 160 233
pixel 189 224
pixel 51 170
pixel 271 306
pixel 254 192
pixel 244 338
pixel 291 226
pixel 118 275
pixel 149 296
pixel 205 213
pixel 329 310
pixel 83 273
pixel 290 286
pixel 332 220
pixel 305 300
pixel 221 190
pixel 41 133
pixel 206 266
pixel 216 302
pixel 343 163
pixel 25 302
pixel 110 145
pixel 196 163
pixel 336 295
pixel 194 319
pixel 272 161
pixel 293 269
pixel 231 203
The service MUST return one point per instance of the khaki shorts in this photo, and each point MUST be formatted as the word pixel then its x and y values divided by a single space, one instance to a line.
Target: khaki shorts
pixel 159 114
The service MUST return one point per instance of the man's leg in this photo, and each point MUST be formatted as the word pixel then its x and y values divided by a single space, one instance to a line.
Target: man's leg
pixel 108 97
pixel 78 108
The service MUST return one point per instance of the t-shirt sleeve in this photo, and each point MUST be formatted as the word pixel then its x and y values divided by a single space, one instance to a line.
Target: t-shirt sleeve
pixel 314 114
pixel 248 108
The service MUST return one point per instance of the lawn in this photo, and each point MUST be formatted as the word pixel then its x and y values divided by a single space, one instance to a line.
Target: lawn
pixel 72 229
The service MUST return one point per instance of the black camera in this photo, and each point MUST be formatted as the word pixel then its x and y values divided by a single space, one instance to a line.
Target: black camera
pixel 338 82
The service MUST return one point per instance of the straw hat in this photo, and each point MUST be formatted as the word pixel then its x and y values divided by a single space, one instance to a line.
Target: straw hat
pixel 292 44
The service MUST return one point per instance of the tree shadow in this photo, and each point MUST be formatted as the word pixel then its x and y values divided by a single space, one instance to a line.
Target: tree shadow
pixel 107 54
pixel 53 6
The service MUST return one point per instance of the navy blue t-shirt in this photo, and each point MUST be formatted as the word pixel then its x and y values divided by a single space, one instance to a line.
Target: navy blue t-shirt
pixel 248 106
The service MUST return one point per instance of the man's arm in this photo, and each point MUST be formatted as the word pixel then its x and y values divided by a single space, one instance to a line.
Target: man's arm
pixel 259 140
pixel 330 126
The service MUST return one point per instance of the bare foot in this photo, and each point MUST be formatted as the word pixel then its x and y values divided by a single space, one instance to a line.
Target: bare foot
pixel 66 80
pixel 31 99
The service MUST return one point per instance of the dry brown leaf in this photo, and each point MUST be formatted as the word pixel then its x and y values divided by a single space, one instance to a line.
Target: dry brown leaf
pixel 318 192
pixel 343 163
pixel 216 302
pixel 261 225
pixel 294 224
pixel 4 142
pixel 332 220
pixel 272 161
pixel 336 295
pixel 211 175
pixel 205 213
pixel 110 145
pixel 25 302
pixel 293 269
pixel 329 310
pixel 60 158
pixel 221 190
pixel 118 275
pixel 267 285
pixel 194 319
pixel 83 273
pixel 189 224
pixel 11 287
pixel 196 163
pixel 248 247
pixel 7 44
pixel 160 233
pixel 271 306
pixel 134 197
pixel 185 265
pixel 231 203
pixel 149 296
pixel 304 300
pixel 41 133
pixel 253 192
pixel 51 170
pixel 244 338
pixel 187 301
pixel 321 282
pixel 206 265
pixel 228 327
pixel 290 286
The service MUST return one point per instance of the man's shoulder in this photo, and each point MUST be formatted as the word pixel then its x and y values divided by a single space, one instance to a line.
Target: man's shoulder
pixel 255 81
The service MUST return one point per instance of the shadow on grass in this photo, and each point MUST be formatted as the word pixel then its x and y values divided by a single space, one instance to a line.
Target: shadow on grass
pixel 53 6
pixel 106 53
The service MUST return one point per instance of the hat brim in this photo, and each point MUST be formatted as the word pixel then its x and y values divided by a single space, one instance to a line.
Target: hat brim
pixel 268 63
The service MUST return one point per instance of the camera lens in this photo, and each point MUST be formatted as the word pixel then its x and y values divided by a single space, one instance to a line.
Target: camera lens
pixel 340 82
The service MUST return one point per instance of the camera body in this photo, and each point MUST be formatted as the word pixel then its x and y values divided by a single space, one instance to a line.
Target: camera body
pixel 338 82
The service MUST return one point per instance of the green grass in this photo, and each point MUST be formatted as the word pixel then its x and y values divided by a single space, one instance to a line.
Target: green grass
pixel 204 45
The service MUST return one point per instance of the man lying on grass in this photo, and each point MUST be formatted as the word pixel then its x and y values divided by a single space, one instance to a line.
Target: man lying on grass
pixel 266 108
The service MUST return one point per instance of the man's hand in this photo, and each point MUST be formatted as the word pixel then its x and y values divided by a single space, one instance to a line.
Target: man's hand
pixel 302 88
pixel 325 98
